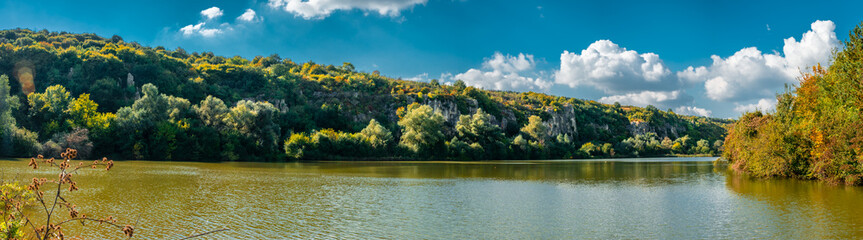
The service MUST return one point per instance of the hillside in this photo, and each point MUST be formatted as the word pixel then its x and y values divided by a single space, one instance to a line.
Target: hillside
pixel 816 131
pixel 105 96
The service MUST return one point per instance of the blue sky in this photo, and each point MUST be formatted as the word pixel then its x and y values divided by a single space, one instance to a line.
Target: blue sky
pixel 633 52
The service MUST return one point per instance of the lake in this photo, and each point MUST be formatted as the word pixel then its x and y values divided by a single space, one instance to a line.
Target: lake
pixel 656 198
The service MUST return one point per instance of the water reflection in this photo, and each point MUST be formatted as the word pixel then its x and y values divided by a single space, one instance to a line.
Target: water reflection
pixel 558 171
pixel 644 198
pixel 809 209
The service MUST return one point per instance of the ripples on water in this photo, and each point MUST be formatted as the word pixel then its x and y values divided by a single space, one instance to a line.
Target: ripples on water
pixel 623 198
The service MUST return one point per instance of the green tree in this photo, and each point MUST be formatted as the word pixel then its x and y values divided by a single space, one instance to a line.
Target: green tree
pixel 211 111
pixel 702 146
pixel 256 120
pixel 536 129
pixel 83 113
pixel 422 131
pixel 376 135
pixel 589 149
pixel 48 110
pixel 7 122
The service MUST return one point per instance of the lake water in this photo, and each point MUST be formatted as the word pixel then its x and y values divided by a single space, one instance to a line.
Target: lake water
pixel 664 198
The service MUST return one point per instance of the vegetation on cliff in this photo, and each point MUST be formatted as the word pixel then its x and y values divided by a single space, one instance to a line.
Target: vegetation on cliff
pixel 108 97
pixel 816 131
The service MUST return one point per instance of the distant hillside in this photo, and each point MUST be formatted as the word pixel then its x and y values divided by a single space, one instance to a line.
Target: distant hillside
pixel 131 101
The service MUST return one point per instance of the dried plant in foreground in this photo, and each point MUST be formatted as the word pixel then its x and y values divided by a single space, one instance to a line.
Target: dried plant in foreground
pixel 15 200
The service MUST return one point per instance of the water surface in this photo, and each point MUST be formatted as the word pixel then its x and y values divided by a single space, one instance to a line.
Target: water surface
pixel 594 199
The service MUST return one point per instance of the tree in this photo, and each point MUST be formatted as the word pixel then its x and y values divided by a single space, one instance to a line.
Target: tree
pixel 422 131
pixel 7 122
pixel 608 149
pixel 296 145
pixel 256 120
pixel 211 111
pixel 589 149
pixel 666 144
pixel 83 113
pixel 157 107
pixel 459 84
pixel 376 135
pixel 702 146
pixel 718 145
pixel 48 110
pixel 681 145
pixel 478 128
pixel 536 129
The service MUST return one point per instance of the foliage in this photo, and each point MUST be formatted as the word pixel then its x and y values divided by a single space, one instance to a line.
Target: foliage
pixel 816 131
pixel 376 135
pixel 536 129
pixel 422 131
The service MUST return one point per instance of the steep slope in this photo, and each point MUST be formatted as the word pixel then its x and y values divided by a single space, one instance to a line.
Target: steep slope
pixel 256 104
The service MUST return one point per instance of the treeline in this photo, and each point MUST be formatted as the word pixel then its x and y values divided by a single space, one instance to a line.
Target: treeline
pixel 816 131
pixel 108 97
pixel 476 138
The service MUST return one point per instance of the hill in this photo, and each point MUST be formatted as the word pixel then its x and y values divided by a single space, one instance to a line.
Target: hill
pixel 109 97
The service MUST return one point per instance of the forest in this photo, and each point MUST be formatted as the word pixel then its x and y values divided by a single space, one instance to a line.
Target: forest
pixel 816 131
pixel 108 97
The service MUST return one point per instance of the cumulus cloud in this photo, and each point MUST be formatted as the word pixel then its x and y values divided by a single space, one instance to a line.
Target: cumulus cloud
pixel 249 16
pixel 614 69
pixel 419 78
pixel 319 9
pixel 209 25
pixel 212 12
pixel 661 99
pixel 200 29
pixel 814 47
pixel 503 72
pixel 693 111
pixel 764 104
pixel 508 63
pixel 750 74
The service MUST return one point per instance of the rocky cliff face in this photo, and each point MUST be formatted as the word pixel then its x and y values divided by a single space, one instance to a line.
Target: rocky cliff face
pixel 638 127
pixel 562 122
pixel 449 109
pixel 365 106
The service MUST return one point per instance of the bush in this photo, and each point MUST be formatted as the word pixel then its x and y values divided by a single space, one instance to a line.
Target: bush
pixel 77 139
pixel 26 143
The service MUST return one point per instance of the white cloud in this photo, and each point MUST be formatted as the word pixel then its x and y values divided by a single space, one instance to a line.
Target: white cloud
pixel 661 99
pixel 505 74
pixel 209 26
pixel 319 9
pixel 814 47
pixel 507 63
pixel 199 29
pixel 212 12
pixel 614 69
pixel 764 104
pixel 249 16
pixel 693 111
pixel 419 78
pixel 751 74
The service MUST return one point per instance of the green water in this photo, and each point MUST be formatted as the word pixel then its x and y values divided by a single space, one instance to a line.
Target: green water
pixel 681 198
